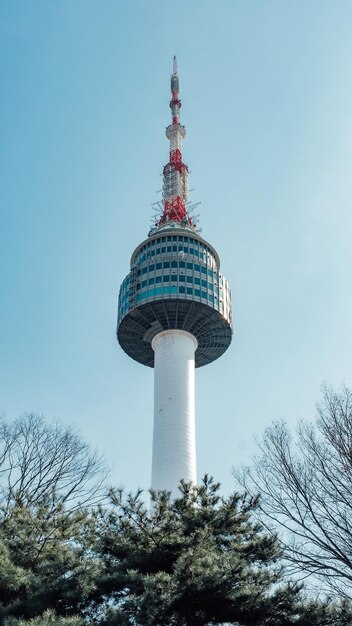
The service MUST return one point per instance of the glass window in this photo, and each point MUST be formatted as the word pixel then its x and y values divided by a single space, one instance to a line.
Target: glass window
pixel 181 289
pixel 144 270
pixel 163 239
pixel 166 264
pixel 173 289
pixel 174 278
pixel 143 295
pixel 203 269
pixel 182 264
pixel 204 283
pixel 151 268
pixel 211 297
pixel 166 278
pixel 182 278
pixel 197 293
pixel 152 253
pixel 157 291
pixel 168 248
pixel 191 250
pixel 197 281
pixel 190 279
pixel 174 238
pixel 174 248
pixel 157 251
pixel 151 281
pixel 196 253
pixel 185 239
pixel 185 249
pixel 163 250
pixel 210 273
pixel 190 266
pixel 158 266
pixel 144 283
pixel 169 238
pixel 151 292
pixel 173 263
pixel 158 279
pixel 166 289
pixel 210 286
pixel 138 272
pixel 189 291
pixel 196 267
pixel 138 286
pixel 204 294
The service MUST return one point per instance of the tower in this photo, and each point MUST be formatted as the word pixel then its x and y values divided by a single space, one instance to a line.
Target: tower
pixel 174 313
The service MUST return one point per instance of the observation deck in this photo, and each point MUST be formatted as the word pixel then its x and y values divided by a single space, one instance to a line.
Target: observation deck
pixel 174 283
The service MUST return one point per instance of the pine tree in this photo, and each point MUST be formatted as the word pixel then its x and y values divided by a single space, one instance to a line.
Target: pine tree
pixel 199 559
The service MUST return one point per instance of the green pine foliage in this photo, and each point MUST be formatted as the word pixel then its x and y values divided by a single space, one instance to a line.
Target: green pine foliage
pixel 196 560
pixel 45 560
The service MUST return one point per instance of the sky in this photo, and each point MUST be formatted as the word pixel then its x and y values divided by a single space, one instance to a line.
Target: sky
pixel 266 89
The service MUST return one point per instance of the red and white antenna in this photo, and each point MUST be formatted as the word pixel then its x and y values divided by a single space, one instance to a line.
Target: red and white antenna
pixel 175 172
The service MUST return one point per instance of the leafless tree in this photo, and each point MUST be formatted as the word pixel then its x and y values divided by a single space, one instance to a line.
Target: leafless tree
pixel 39 460
pixel 305 487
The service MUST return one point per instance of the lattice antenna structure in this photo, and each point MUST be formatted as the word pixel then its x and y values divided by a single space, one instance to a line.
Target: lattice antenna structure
pixel 175 173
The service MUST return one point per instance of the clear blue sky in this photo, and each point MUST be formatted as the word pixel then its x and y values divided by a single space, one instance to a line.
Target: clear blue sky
pixel 266 88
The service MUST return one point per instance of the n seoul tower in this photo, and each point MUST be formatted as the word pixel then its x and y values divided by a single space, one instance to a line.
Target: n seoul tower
pixel 174 313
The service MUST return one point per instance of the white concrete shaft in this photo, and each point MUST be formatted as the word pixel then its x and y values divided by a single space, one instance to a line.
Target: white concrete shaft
pixel 174 444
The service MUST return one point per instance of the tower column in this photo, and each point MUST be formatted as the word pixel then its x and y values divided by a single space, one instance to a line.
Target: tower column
pixel 174 446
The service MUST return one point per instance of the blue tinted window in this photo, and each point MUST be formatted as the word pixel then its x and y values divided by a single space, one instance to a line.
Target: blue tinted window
pixel 158 266
pixel 185 239
pixel 196 267
pixel 203 269
pixel 174 279
pixel 151 281
pixel 211 298
pixel 157 251
pixel 204 283
pixel 143 295
pixel 174 238
pixel 190 279
pixel 173 263
pixel 169 238
pixel 144 283
pixel 151 292
pixel 166 289
pixel 210 273
pixel 182 264
pixel 210 286
pixel 190 266
pixel 166 278
pixel 197 281
pixel 157 291
pixel 158 279
pixel 182 279
pixel 138 286
pixel 163 250
pixel 191 251
pixel 196 253
pixel 189 291
pixel 197 292
pixel 144 270
pixel 173 289
pixel 151 268
pixel 168 248
pixel 166 264
pixel 181 289
pixel 138 272
pixel 163 239
pixel 185 249
pixel 204 294
pixel 174 248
